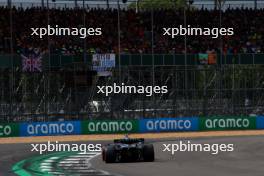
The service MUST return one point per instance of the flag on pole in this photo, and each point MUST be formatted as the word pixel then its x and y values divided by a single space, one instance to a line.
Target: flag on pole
pixel 31 63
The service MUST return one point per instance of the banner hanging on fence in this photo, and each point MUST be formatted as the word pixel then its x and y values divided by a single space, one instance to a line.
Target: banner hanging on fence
pixel 102 63
pixel 32 63
pixel 9 130
pixel 227 123
pixel 50 128
pixel 207 58
pixel 168 124
pixel 203 58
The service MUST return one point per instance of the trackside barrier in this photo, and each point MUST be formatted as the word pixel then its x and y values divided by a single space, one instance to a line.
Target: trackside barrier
pixel 214 123
pixel 168 124
pixel 9 129
pixel 211 123
pixel 260 122
pixel 50 128
pixel 109 126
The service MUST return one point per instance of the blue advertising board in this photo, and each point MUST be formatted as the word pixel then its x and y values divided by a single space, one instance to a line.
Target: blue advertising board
pixel 168 124
pixel 50 128
pixel 260 122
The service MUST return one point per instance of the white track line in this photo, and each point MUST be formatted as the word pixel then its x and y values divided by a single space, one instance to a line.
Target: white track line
pixel 80 164
pixel 75 164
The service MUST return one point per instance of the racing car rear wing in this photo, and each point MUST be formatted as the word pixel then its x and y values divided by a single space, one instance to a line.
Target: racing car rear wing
pixel 129 141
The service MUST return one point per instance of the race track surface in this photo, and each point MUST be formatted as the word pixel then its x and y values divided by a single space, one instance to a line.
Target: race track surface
pixel 10 154
pixel 247 159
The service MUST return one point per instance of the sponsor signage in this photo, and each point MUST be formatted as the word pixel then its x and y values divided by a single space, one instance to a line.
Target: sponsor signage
pixel 9 130
pixel 132 126
pixel 169 124
pixel 260 122
pixel 109 126
pixel 227 123
pixel 50 128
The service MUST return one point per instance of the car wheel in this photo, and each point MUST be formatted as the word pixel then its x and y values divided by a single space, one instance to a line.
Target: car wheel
pixel 148 153
pixel 103 154
pixel 110 154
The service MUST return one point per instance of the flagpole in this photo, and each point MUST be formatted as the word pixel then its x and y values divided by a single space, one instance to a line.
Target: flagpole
pixel 12 58
pixel 84 23
pixel 119 45
pixel 48 70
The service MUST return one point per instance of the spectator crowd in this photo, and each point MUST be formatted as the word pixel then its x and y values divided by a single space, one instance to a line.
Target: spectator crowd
pixel 135 30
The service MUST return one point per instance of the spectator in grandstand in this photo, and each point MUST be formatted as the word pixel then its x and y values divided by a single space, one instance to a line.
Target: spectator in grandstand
pixel 135 34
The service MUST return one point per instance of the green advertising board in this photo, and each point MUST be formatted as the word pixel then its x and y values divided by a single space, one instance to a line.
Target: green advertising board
pixel 227 123
pixel 109 126
pixel 9 129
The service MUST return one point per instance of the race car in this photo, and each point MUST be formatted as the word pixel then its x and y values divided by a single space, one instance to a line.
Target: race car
pixel 128 150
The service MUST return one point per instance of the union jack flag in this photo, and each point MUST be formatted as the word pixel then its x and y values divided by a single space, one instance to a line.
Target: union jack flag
pixel 32 63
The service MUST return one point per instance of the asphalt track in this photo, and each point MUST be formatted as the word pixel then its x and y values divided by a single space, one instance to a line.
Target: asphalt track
pixel 247 159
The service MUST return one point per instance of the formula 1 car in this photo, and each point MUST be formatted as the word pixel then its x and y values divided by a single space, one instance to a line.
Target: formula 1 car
pixel 128 150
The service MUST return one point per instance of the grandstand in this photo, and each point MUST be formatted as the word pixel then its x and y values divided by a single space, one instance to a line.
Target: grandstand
pixel 61 82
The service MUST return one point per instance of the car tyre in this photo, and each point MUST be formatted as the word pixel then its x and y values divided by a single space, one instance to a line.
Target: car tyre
pixel 110 154
pixel 148 153
pixel 103 153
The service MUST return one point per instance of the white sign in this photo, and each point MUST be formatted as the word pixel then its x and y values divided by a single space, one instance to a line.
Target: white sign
pixel 103 63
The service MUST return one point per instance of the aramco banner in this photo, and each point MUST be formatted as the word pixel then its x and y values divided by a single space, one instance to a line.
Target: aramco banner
pixel 9 129
pixel 169 124
pixel 109 126
pixel 227 123
pixel 50 128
